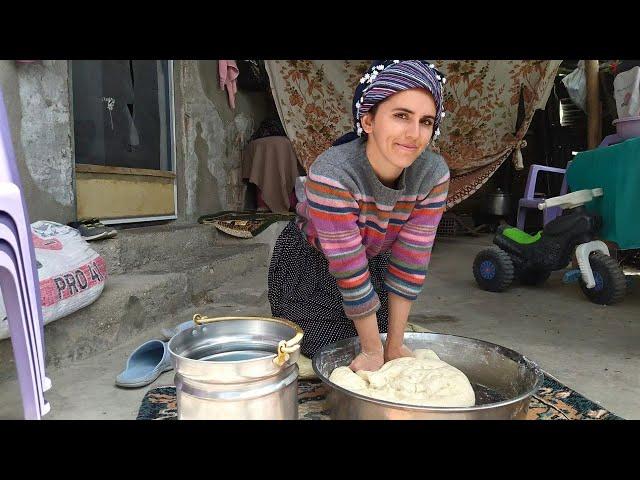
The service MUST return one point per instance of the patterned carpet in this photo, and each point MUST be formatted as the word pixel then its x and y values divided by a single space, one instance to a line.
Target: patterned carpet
pixel 554 401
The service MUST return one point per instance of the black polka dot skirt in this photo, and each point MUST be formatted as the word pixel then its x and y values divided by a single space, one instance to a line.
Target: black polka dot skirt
pixel 302 290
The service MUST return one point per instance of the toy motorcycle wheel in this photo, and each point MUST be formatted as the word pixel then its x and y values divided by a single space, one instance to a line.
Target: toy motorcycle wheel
pixel 611 284
pixel 533 277
pixel 493 269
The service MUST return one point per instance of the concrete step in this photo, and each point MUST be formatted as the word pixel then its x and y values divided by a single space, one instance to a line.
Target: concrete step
pixel 136 247
pixel 229 263
pixel 148 248
pixel 133 302
pixel 126 304
pixel 249 289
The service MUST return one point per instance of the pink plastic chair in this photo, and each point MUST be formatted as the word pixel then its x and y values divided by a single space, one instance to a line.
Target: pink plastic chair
pixel 530 201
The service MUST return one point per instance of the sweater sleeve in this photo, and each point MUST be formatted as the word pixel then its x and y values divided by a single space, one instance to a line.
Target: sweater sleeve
pixel 334 212
pixel 411 251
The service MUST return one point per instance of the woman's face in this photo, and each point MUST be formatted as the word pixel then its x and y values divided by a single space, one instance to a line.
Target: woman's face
pixel 400 128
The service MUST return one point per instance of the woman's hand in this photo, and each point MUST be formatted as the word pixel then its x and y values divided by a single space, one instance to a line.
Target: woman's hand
pixel 371 356
pixel 391 352
pixel 369 361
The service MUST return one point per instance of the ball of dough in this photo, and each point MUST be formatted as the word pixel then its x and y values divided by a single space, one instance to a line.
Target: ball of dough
pixel 422 380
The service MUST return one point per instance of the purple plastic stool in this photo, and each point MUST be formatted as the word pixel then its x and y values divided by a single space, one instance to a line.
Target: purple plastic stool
pixel 11 208
pixel 20 338
pixel 32 382
pixel 8 233
pixel 530 201
pixel 20 246
pixel 12 202
pixel 20 284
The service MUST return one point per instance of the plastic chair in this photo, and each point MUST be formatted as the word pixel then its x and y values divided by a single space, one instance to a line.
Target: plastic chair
pixel 19 281
pixel 12 203
pixel 8 233
pixel 530 201
pixel 611 140
pixel 31 377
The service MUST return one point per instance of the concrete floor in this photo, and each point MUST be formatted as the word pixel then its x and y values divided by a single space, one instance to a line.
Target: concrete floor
pixel 592 349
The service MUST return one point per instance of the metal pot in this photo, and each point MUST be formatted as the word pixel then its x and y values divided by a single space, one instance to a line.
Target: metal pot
pixel 237 368
pixel 497 203
pixel 502 379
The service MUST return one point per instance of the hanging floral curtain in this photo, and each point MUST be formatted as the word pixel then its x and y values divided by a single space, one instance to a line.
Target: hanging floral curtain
pixel 313 98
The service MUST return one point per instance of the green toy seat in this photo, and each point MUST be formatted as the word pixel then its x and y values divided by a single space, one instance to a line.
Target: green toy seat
pixel 523 238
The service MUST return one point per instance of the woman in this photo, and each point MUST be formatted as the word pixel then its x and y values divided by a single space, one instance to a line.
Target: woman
pixel 356 256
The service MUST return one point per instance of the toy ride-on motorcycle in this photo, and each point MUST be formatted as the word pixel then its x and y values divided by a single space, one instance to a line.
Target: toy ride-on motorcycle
pixel 532 258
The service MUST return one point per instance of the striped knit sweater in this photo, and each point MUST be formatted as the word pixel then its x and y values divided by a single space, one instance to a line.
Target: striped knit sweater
pixel 350 216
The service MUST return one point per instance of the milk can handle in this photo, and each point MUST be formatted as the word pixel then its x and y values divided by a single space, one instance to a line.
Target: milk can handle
pixel 285 347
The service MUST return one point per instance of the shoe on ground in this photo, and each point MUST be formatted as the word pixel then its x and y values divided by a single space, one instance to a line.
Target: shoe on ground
pixel 92 229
